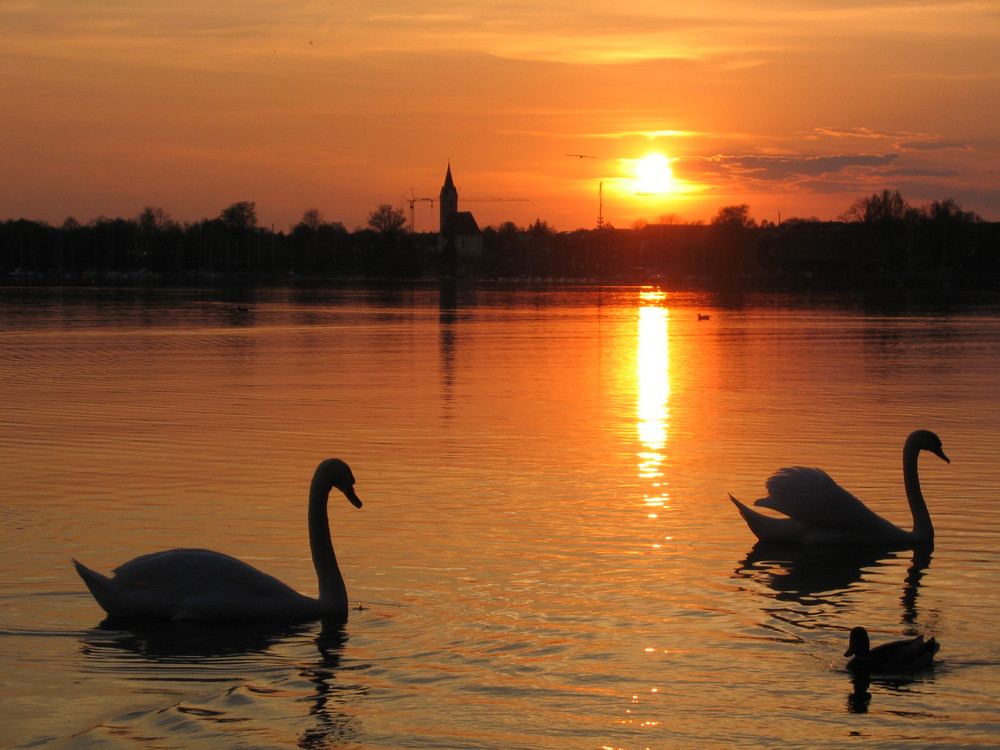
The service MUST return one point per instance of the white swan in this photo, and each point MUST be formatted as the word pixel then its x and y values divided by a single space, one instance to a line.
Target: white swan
pixel 820 511
pixel 198 584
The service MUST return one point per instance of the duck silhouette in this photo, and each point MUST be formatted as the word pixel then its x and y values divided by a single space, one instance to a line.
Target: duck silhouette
pixel 907 655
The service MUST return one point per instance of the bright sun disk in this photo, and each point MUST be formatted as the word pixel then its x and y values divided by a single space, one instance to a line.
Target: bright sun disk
pixel 654 175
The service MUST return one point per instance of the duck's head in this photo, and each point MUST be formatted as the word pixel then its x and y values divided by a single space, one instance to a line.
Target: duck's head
pixel 858 643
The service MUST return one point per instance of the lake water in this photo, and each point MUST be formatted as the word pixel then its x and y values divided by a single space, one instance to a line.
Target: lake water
pixel 546 557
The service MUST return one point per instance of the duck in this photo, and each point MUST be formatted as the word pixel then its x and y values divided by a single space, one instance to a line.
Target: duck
pixel 907 655
pixel 204 585
pixel 819 511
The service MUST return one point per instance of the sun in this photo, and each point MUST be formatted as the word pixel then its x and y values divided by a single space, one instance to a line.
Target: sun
pixel 653 174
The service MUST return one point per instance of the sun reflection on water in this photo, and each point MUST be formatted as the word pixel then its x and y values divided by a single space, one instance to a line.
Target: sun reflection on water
pixel 652 408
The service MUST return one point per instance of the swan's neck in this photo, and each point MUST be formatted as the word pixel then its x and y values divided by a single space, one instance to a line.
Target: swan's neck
pixel 332 592
pixel 923 529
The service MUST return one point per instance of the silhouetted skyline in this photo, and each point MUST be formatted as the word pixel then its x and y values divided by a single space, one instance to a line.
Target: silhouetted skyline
pixel 886 242
pixel 795 110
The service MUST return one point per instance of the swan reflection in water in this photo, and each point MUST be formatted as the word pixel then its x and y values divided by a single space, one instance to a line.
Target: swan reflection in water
pixel 813 582
pixel 826 574
pixel 204 652
pixel 185 641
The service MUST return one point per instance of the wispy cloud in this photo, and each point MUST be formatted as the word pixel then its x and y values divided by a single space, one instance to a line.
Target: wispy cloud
pixel 931 145
pixel 863 132
pixel 767 168
pixel 918 172
pixel 651 135
pixel 900 140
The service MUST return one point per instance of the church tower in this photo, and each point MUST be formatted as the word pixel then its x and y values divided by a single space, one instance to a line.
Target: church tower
pixel 460 241
pixel 447 200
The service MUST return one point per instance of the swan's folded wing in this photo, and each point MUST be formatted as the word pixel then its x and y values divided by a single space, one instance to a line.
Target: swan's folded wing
pixel 178 573
pixel 811 497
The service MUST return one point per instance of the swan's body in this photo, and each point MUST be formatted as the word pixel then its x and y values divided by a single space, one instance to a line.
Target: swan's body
pixel 909 655
pixel 819 511
pixel 198 584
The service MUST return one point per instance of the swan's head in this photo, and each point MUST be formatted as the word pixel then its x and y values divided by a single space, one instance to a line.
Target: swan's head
pixel 925 440
pixel 858 645
pixel 335 473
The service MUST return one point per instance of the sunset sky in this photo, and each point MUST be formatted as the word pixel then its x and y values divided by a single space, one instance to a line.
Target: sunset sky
pixel 795 107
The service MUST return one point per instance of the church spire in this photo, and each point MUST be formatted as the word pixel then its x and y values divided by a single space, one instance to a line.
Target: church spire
pixel 449 184
pixel 447 200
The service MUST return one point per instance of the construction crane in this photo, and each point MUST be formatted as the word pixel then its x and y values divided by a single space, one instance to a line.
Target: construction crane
pixel 412 200
pixel 481 200
pixel 493 200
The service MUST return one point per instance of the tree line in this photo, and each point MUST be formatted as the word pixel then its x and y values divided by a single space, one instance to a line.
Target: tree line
pixel 878 239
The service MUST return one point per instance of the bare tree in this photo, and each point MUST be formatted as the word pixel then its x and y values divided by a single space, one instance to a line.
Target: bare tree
pixel 312 218
pixel 950 209
pixel 242 215
pixel 385 219
pixel 734 216
pixel 153 218
pixel 879 208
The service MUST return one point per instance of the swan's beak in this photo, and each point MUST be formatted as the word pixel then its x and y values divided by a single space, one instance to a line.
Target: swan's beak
pixel 352 496
pixel 940 454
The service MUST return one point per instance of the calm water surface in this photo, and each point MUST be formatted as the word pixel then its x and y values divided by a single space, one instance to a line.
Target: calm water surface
pixel 546 558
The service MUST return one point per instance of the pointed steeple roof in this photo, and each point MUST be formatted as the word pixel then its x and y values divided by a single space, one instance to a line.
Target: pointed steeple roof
pixel 449 184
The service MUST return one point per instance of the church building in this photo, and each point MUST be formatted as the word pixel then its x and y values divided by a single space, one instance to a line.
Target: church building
pixel 459 235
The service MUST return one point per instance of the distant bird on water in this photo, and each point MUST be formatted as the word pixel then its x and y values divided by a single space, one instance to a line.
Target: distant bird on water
pixel 895 657
pixel 820 511
pixel 703 317
pixel 198 584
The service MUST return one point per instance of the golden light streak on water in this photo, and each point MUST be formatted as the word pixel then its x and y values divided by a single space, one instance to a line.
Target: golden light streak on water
pixel 653 403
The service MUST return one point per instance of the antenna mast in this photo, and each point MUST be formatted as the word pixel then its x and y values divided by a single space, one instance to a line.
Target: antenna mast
pixel 600 204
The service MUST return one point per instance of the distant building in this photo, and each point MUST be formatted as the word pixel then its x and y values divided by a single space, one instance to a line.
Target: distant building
pixel 459 235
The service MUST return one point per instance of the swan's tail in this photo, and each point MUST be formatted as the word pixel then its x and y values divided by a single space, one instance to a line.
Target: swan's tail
pixel 99 585
pixel 769 528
